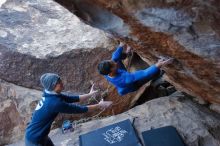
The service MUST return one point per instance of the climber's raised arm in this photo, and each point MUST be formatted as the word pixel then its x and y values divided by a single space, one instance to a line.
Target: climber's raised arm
pixel 118 55
pixel 139 75
pixel 146 74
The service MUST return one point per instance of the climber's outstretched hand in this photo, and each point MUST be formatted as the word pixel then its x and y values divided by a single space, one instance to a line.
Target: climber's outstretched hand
pixel 121 44
pixel 164 61
pixel 128 50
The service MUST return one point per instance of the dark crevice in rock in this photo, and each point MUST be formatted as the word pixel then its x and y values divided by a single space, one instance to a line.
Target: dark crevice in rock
pixel 215 132
pixel 135 62
pixel 158 87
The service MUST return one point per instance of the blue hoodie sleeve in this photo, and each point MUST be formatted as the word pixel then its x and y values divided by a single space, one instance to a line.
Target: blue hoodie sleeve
pixel 141 74
pixel 70 98
pixel 116 55
pixel 69 108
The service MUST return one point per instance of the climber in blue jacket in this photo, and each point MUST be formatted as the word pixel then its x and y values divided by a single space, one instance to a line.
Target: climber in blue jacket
pixel 53 102
pixel 125 82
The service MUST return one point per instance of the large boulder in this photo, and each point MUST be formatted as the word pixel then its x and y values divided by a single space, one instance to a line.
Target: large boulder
pixel 196 124
pixel 186 30
pixel 41 36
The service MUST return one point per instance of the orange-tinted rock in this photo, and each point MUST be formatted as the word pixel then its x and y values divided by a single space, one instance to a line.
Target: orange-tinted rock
pixel 186 30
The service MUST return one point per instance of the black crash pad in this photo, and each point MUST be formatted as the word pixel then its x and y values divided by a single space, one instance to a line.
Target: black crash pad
pixel 118 134
pixel 165 136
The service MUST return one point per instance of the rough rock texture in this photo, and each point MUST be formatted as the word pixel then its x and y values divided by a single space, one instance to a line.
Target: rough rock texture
pixel 41 36
pixel 187 30
pixel 196 124
pixel 16 106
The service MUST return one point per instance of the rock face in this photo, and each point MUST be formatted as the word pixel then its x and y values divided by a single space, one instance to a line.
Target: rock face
pixel 187 30
pixel 42 36
pixel 16 106
pixel 196 124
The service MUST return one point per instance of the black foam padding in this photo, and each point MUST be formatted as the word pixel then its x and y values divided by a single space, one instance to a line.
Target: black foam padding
pixel 165 136
pixel 118 134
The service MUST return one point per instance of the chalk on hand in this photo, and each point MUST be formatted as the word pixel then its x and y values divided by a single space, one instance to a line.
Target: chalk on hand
pixel 166 58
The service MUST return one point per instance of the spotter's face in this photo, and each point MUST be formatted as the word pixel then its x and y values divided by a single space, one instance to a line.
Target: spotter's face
pixel 59 86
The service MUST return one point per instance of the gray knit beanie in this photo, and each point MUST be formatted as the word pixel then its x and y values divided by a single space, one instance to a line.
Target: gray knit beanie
pixel 49 81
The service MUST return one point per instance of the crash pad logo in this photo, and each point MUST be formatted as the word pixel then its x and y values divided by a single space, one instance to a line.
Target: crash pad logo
pixel 114 135
pixel 40 104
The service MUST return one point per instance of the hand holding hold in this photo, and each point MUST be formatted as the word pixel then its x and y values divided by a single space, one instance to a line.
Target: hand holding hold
pixel 164 61
pixel 129 49
pixel 121 44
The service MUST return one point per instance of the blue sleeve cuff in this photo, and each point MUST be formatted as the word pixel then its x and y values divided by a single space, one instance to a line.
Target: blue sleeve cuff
pixel 154 68
pixel 85 109
pixel 76 98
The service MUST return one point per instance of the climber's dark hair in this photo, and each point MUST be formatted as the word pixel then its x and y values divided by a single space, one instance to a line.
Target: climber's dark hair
pixel 104 67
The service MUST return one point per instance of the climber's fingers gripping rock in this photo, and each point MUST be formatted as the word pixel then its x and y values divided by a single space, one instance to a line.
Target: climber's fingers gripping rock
pixel 164 61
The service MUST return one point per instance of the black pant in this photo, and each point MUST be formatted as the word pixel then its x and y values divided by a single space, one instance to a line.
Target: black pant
pixel 46 142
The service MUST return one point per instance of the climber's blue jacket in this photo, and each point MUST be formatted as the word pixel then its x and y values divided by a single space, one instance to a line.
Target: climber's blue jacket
pixel 124 81
pixel 46 111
